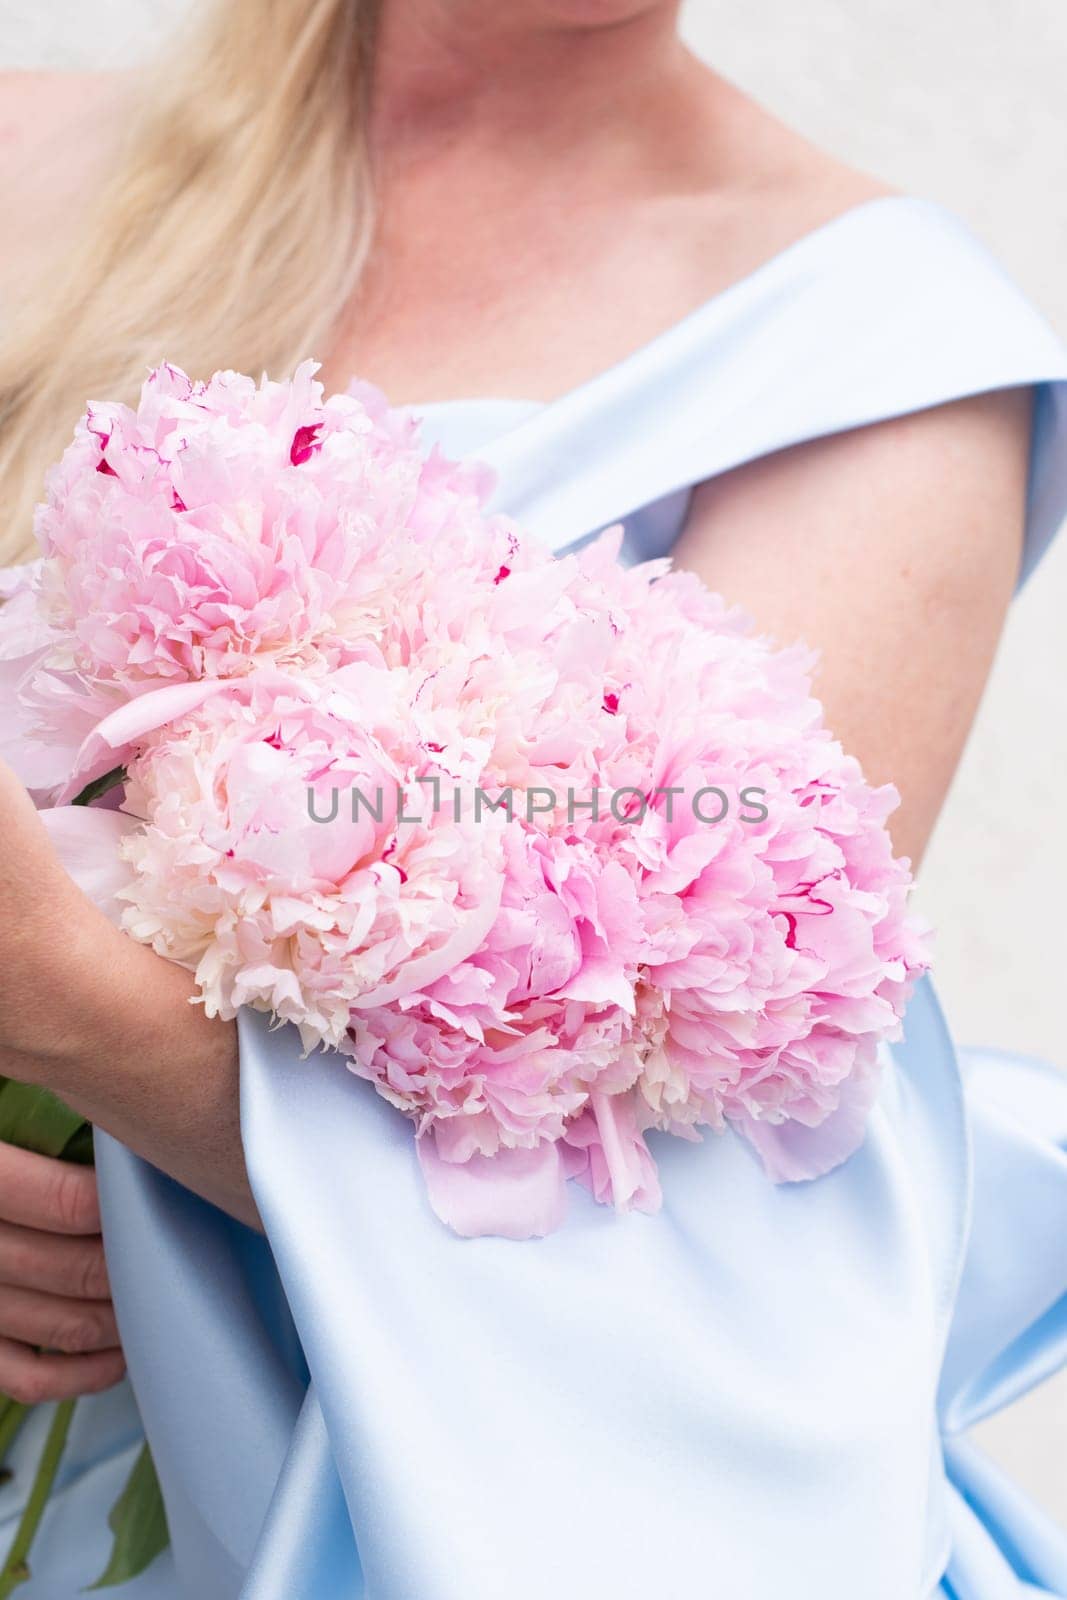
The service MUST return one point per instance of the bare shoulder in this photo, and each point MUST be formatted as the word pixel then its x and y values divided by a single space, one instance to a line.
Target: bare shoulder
pixel 777 160
pixel 766 185
pixel 57 132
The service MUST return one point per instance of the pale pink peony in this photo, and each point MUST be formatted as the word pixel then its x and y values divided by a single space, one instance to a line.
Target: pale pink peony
pixel 235 878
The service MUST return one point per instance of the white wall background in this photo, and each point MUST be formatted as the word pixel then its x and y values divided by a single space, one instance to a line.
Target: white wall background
pixel 963 102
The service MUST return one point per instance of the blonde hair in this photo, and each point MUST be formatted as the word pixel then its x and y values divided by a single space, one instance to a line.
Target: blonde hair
pixel 230 234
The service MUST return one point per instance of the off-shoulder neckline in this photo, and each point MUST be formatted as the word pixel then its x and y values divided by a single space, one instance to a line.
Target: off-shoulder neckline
pixel 682 327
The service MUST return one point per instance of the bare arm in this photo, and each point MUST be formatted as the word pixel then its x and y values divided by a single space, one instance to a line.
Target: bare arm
pixel 108 1025
pixel 894 551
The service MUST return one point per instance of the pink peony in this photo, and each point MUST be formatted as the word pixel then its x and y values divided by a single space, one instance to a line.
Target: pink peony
pixel 250 595
pixel 234 877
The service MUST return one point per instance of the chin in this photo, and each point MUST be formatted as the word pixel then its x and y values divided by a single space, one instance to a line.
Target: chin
pixel 593 13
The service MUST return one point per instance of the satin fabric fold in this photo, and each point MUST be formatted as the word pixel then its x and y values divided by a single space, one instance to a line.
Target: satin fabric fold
pixel 622 1407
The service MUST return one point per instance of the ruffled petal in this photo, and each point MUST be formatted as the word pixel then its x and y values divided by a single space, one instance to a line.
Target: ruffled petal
pixel 88 842
pixel 516 1194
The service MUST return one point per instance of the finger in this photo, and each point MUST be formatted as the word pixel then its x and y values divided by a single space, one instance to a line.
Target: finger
pixel 37 1192
pixel 57 1263
pixel 54 1322
pixel 29 1377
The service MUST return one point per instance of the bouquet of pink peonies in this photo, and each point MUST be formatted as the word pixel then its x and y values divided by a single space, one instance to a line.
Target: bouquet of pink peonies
pixel 553 850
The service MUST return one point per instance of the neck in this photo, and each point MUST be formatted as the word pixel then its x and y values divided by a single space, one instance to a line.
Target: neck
pixel 463 73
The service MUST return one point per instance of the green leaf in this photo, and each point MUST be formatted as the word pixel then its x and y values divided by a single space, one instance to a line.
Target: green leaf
pixel 139 1524
pixel 12 1416
pixel 34 1119
pixel 99 786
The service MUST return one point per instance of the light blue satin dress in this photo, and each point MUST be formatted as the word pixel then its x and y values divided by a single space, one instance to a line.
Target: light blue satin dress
pixel 759 1392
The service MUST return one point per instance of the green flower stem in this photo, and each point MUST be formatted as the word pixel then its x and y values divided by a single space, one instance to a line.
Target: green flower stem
pixel 16 1568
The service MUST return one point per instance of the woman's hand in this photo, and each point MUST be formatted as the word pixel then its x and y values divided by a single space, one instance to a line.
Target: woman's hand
pixel 58 1336
pixel 109 1026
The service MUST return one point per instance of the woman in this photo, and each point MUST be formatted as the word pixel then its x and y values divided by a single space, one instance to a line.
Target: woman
pixel 829 403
